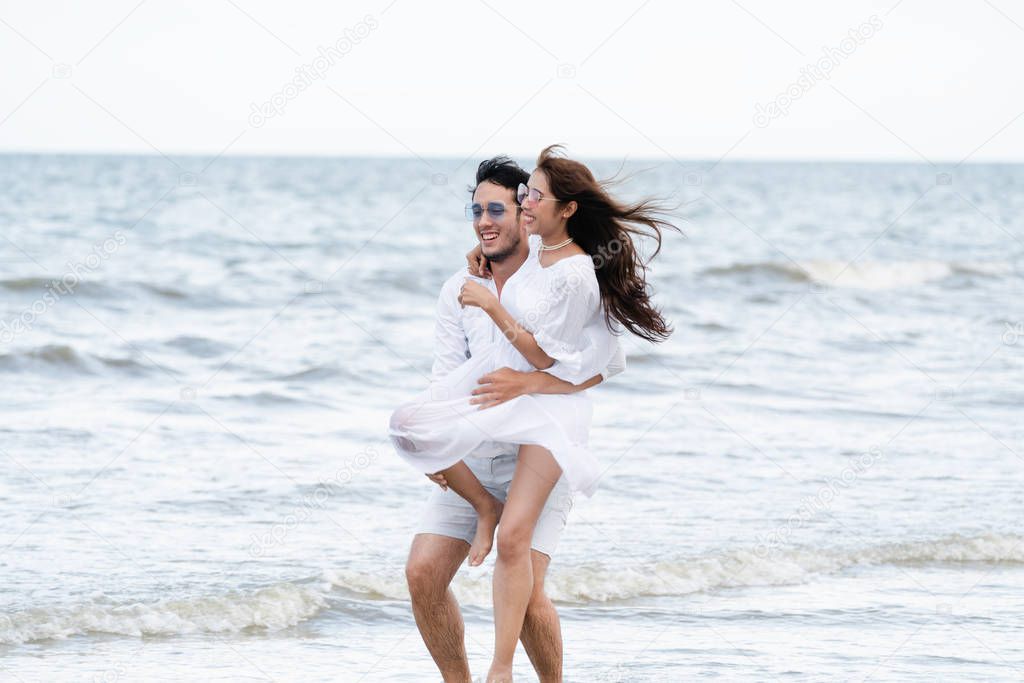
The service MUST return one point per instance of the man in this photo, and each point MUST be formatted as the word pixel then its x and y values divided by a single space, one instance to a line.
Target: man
pixel 448 523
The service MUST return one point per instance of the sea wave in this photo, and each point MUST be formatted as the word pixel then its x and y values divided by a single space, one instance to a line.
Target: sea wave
pixel 199 346
pixel 18 284
pixel 869 275
pixel 272 608
pixel 56 287
pixel 289 603
pixel 121 290
pixel 600 582
pixel 316 373
pixel 64 359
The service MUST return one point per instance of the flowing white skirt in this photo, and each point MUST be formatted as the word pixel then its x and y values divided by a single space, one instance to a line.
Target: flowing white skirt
pixel 439 427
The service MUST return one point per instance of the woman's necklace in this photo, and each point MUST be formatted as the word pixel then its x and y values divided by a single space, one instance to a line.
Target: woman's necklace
pixel 544 247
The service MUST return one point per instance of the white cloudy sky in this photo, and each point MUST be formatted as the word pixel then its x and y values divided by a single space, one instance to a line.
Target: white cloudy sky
pixel 938 80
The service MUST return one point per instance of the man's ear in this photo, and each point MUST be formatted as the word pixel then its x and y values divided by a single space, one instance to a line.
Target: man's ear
pixel 570 209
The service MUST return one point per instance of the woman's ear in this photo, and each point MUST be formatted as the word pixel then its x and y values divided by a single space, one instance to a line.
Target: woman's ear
pixel 570 209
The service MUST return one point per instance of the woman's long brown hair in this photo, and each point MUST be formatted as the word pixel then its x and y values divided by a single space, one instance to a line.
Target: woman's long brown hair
pixel 604 228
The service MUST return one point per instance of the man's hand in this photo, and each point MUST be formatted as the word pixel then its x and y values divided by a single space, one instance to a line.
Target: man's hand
pixel 502 385
pixel 477 263
pixel 438 479
pixel 475 294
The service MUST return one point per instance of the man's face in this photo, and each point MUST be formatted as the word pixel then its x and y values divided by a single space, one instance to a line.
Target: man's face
pixel 499 236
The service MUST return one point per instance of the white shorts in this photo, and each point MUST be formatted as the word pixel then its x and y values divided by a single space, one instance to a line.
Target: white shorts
pixel 446 513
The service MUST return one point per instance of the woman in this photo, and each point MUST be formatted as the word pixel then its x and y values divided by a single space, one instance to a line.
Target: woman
pixel 584 263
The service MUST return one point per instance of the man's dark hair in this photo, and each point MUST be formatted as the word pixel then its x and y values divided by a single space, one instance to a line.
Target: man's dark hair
pixel 501 171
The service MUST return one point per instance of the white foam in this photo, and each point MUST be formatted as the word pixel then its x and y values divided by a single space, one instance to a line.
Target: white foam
pixel 600 582
pixel 286 604
pixel 273 607
pixel 866 274
pixel 875 275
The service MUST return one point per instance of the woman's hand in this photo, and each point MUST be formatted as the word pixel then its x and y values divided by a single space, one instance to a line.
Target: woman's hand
pixel 477 263
pixel 500 386
pixel 475 294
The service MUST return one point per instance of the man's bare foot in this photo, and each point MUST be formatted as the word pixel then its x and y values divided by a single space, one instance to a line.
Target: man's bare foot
pixel 486 523
pixel 499 674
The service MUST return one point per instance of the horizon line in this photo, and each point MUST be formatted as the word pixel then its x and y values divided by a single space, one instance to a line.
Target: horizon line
pixel 422 158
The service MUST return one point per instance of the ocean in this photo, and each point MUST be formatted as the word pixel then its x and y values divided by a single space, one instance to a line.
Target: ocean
pixel 818 477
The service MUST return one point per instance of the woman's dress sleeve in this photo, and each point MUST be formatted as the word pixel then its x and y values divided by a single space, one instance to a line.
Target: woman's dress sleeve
pixel 571 302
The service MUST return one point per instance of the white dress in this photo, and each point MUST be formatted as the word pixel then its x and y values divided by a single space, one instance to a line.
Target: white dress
pixel 556 304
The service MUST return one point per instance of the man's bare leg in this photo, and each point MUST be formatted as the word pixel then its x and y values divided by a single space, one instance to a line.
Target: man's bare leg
pixel 542 632
pixel 433 562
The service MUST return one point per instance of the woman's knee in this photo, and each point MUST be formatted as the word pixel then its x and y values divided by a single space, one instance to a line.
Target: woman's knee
pixel 402 419
pixel 514 539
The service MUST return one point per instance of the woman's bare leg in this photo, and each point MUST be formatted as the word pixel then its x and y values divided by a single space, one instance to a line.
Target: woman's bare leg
pixel 488 508
pixel 537 472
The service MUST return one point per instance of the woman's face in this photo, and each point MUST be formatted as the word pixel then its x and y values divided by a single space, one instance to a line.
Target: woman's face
pixel 541 217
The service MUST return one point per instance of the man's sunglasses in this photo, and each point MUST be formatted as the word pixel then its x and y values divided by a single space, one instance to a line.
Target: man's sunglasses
pixel 496 210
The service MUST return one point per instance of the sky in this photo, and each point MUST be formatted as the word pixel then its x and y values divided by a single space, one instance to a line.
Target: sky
pixel 910 80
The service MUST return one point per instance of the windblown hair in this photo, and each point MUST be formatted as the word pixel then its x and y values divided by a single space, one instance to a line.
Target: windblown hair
pixel 502 171
pixel 604 227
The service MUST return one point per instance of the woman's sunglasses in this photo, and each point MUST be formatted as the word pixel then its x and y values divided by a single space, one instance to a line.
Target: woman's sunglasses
pixel 532 194
pixel 496 210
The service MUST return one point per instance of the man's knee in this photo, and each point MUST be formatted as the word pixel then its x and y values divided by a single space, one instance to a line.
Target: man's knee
pixel 425 579
pixel 432 564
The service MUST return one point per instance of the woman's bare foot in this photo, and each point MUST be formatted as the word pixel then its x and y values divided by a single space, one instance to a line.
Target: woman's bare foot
pixel 499 674
pixel 486 523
